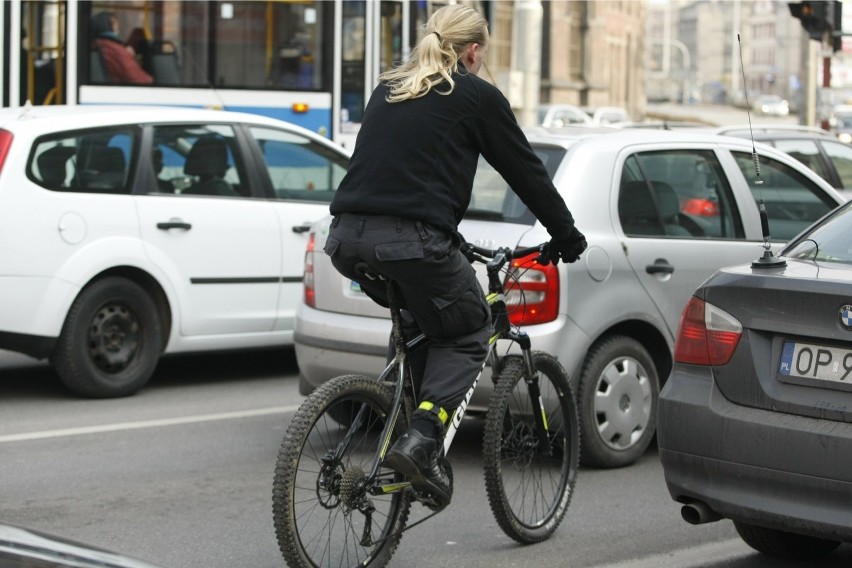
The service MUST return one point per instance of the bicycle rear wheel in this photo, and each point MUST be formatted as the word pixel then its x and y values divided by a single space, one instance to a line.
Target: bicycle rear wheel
pixel 528 490
pixel 323 510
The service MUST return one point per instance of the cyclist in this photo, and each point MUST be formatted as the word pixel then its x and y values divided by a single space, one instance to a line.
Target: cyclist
pixel 398 208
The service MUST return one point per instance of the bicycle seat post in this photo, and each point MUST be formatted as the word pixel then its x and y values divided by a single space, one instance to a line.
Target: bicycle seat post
pixel 396 320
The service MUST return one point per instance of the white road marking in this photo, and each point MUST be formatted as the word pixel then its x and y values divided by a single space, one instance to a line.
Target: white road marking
pixel 694 556
pixel 117 426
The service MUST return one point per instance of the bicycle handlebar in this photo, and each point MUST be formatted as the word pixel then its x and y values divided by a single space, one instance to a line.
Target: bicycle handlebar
pixel 504 254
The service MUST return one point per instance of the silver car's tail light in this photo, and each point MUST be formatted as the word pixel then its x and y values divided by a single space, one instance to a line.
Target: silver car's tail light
pixel 707 335
pixel 532 294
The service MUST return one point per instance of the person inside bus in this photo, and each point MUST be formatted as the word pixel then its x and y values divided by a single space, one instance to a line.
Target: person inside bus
pixel 398 208
pixel 118 58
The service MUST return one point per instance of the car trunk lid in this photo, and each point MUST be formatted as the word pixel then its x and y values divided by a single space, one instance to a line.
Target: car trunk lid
pixel 795 353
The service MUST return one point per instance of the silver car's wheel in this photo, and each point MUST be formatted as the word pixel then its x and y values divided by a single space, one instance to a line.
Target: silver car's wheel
pixel 618 397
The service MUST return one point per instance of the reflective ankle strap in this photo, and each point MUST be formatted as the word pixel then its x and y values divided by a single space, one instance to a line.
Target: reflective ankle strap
pixel 434 409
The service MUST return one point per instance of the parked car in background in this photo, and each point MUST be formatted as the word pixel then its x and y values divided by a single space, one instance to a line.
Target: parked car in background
pixel 662 210
pixel 559 115
pixel 771 105
pixel 755 421
pixel 130 232
pixel 816 148
pixel 841 123
pixel 608 115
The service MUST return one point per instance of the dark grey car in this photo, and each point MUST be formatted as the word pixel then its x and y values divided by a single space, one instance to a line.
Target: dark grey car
pixel 755 421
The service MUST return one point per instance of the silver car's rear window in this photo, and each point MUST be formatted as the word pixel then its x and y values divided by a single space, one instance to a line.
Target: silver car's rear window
pixel 493 199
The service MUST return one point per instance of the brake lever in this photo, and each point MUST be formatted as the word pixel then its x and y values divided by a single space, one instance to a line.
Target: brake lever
pixel 467 250
pixel 543 257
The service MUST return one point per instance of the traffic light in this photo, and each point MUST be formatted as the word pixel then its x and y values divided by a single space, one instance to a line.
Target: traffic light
pixel 814 15
pixel 837 26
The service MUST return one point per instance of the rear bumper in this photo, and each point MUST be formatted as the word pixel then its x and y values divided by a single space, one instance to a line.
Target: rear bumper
pixel 329 344
pixel 778 470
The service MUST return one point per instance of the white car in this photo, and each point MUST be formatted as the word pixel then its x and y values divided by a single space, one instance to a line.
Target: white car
pixel 662 210
pixel 131 232
pixel 771 105
pixel 560 115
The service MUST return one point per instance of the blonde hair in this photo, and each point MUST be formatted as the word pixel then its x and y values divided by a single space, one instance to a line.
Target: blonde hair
pixel 436 57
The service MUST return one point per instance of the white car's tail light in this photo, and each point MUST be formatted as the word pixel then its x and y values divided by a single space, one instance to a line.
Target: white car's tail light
pixel 532 292
pixel 707 335
pixel 5 143
pixel 308 274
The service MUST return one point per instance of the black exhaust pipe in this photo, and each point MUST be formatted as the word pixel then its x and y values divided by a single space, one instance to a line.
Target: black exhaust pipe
pixel 698 513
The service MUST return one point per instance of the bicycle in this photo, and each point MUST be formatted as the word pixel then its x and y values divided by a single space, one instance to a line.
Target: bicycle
pixel 334 504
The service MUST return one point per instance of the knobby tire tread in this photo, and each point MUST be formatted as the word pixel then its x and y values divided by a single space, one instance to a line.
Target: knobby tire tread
pixel 309 413
pixel 509 373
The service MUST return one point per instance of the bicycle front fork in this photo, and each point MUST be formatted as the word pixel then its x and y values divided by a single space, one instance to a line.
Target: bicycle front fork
pixel 531 379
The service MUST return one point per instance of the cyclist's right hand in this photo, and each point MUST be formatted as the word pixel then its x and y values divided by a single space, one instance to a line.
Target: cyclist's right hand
pixel 567 248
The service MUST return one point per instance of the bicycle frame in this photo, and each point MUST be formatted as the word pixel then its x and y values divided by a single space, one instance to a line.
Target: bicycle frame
pixel 398 367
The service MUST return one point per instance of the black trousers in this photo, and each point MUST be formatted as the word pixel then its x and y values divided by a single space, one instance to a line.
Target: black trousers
pixel 440 293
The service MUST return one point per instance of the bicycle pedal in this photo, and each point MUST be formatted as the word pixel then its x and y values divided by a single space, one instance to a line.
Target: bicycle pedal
pixel 430 501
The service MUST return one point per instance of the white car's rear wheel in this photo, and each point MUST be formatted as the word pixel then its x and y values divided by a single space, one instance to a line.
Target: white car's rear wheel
pixel 111 340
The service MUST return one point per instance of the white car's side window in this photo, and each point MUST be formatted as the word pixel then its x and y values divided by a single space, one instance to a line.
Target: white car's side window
pixel 840 155
pixel 805 151
pixel 298 167
pixel 198 160
pixel 84 162
pixel 678 193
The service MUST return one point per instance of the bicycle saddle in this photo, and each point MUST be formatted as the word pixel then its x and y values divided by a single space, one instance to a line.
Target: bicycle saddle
pixel 367 271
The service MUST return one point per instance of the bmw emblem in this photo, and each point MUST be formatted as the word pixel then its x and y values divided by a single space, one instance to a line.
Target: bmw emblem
pixel 846 316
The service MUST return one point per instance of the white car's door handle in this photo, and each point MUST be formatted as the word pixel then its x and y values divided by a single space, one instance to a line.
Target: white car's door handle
pixel 165 226
pixel 302 228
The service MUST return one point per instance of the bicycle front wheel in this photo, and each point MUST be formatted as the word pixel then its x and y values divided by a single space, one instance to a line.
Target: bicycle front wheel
pixel 530 481
pixel 325 510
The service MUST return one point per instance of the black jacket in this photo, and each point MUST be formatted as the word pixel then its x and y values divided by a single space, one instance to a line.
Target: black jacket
pixel 417 158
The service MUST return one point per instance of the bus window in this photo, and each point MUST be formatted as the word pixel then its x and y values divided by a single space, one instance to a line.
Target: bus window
pixel 235 44
pixel 352 85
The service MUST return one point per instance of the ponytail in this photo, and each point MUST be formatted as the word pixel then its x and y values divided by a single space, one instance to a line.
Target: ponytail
pixel 436 57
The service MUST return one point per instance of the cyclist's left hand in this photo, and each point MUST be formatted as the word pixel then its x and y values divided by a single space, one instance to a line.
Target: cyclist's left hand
pixel 567 248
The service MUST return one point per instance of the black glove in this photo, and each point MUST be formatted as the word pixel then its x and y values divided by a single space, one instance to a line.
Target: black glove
pixel 567 248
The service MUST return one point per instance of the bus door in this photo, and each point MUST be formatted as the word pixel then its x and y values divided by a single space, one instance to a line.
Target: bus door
pixel 36 43
pixel 373 37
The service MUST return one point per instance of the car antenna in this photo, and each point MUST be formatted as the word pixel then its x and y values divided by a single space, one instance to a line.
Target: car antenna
pixel 768 260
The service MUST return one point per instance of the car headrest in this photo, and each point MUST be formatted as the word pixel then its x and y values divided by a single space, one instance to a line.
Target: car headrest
pixel 208 156
pixel 51 163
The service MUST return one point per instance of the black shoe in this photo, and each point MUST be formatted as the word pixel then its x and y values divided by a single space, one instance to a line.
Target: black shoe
pixel 416 457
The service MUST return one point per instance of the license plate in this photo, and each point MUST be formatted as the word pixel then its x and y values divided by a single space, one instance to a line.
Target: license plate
pixel 820 362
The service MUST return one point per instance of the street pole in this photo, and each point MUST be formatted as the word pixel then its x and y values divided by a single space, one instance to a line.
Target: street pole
pixel 526 57
pixel 810 88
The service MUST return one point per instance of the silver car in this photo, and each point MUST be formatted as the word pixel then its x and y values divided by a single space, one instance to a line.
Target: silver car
pixel 662 210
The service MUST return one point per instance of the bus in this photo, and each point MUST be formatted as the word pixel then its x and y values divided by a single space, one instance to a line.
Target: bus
pixel 309 62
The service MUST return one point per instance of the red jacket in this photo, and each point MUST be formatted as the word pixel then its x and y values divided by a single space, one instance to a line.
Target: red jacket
pixel 119 65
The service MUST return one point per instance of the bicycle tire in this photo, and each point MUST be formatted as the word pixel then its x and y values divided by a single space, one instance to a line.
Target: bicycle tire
pixel 529 493
pixel 317 522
